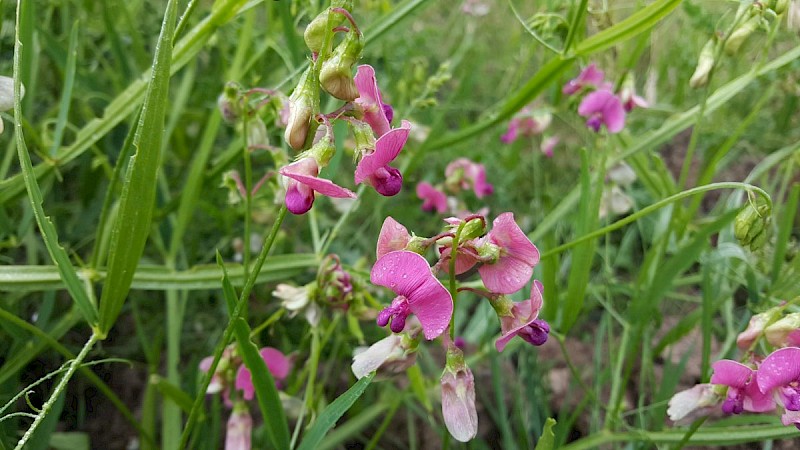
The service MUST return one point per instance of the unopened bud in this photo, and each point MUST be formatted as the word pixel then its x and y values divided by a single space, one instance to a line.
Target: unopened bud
pixel 336 75
pixel 314 34
pixel 257 133
pixel 779 333
pixel 751 226
pixel 781 6
pixel 741 34
pixel 704 65
pixel 304 104
pixel 474 228
pixel 229 103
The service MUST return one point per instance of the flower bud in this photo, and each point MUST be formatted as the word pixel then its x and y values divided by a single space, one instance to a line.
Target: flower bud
pixel 704 65
pixel 741 34
pixel 314 34
pixel 750 227
pixel 336 74
pixel 323 150
pixel 781 6
pixel 240 428
pixel 304 104
pixel 458 397
pixel 257 133
pixel 785 332
pixel 229 103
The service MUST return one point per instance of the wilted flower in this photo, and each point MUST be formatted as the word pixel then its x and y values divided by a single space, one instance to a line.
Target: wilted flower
pixel 432 198
pixel 418 292
pixel 590 76
pixel 297 299
pixel 549 144
pixel 7 95
pixel 458 397
pixel 784 332
pixel 628 97
pixel 475 8
pixel 614 201
pixel 705 63
pixel 527 123
pixel 602 107
pixel 303 105
pixel 335 75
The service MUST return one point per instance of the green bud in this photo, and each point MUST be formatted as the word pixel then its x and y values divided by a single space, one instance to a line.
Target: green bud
pixel 489 252
pixel 229 103
pixel 778 332
pixel 741 34
pixel 336 74
pixel 750 226
pixel 314 34
pixel 475 228
pixel 417 245
pixel 257 133
pixel 781 6
pixel 758 241
pixel 704 65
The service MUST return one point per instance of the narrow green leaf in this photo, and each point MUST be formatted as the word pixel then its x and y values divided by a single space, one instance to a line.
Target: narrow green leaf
pixel 636 23
pixel 172 392
pixel 785 225
pixel 266 393
pixel 66 95
pixel 132 226
pixel 548 440
pixel 70 441
pixel 48 230
pixel 327 419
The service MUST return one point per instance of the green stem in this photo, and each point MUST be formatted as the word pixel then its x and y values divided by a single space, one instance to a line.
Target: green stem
pixel 62 384
pixel 228 333
pixel 453 289
pixel 655 206
pixel 577 20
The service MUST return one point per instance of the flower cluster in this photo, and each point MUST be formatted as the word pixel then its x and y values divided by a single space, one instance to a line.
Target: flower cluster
pixel 234 380
pixel 601 105
pixel 460 175
pixel 422 306
pixel 760 385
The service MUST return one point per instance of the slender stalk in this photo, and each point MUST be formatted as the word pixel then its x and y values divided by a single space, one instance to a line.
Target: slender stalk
pixel 453 290
pixel 228 333
pixel 62 384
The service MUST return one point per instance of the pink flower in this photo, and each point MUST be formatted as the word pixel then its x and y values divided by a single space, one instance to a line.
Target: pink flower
pixel 526 123
pixel 511 254
pixel 374 167
pixel 590 76
pixel 549 144
pixel 393 236
pixel 743 392
pixel 418 292
pixel 240 429
pixel 779 373
pixel 467 174
pixel 277 364
pixel 692 403
pixel 432 198
pixel 303 182
pixel 458 397
pixel 630 100
pixel 523 321
pixel 395 353
pixel 376 113
pixel 602 107
pixel 217 383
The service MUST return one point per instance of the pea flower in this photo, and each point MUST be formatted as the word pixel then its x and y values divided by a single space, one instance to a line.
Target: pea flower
pixel 303 104
pixel 394 353
pixel 779 373
pixel 393 236
pixel 509 256
pixel 590 76
pixel 458 397
pixel 693 402
pixel 743 392
pixel 278 366
pixel 784 332
pixel 418 292
pixel 522 319
pixel 527 123
pixel 465 174
pixel 297 299
pixel 238 435
pixel 602 107
pixel 432 198
pixel 304 182
pixel 376 113
pixel 374 166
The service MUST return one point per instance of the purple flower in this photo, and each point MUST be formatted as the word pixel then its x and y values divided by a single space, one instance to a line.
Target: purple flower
pixel 277 364
pixel 779 373
pixel 376 113
pixel 743 392
pixel 511 256
pixel 374 167
pixel 418 292
pixel 432 198
pixel 523 321
pixel 590 76
pixel 304 182
pixel 602 107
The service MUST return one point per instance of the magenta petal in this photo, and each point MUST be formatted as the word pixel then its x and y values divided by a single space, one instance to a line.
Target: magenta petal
pixel 508 235
pixel 321 185
pixel 731 373
pixel 614 115
pixel 393 236
pixel 408 274
pixel 432 198
pixel 369 98
pixel 464 260
pixel 276 362
pixel 756 401
pixel 299 198
pixel 244 382
pixel 387 147
pixel 779 369
pixel 594 102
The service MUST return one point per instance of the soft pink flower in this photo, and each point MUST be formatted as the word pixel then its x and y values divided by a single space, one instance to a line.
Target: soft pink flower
pixel 602 107
pixel 418 292
pixel 393 236
pixel 524 321
pixel 779 373
pixel 549 144
pixel 394 353
pixel 784 332
pixel 590 76
pixel 468 175
pixel 376 113
pixel 304 182
pixel 466 257
pixel 458 397
pixel 630 100
pixel 526 123
pixel 755 328
pixel 240 429
pixel 513 256
pixel 217 383
pixel 277 364
pixel 432 198
pixel 374 167
pixel 692 403
pixel 743 392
